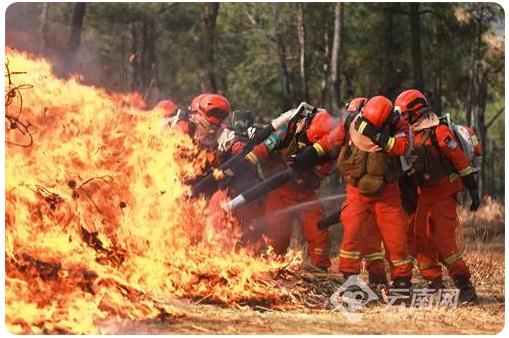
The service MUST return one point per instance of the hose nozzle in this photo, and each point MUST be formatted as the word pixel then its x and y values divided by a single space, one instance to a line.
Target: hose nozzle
pixel 234 203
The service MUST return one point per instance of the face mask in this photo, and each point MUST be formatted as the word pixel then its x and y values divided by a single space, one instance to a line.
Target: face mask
pixel 205 133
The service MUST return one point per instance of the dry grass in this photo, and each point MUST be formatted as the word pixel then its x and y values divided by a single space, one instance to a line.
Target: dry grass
pixel 484 253
pixel 484 229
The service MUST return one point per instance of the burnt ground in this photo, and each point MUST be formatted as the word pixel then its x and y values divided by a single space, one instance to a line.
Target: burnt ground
pixel 485 317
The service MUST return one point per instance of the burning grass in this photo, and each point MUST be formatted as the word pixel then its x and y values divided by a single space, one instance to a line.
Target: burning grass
pixel 96 224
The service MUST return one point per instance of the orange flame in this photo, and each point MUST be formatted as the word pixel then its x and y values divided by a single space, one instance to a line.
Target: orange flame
pixel 96 224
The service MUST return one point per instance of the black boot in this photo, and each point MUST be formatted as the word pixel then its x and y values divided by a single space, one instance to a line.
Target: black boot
pixel 434 284
pixel 399 292
pixel 467 289
pixel 376 279
pixel 401 283
pixel 379 285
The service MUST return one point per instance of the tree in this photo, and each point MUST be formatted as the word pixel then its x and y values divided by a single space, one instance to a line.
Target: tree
pixel 75 37
pixel 335 58
pixel 415 24
pixel 301 33
pixel 206 57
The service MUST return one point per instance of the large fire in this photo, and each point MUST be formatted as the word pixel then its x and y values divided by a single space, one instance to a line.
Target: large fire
pixel 96 223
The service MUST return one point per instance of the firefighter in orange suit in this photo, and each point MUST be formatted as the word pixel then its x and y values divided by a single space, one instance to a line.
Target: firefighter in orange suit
pixel 441 170
pixel 273 154
pixel 370 165
pixel 203 121
pixel 369 245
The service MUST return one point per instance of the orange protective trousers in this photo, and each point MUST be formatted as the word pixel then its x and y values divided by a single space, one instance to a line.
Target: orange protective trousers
pixel 370 220
pixel 434 231
pixel 279 224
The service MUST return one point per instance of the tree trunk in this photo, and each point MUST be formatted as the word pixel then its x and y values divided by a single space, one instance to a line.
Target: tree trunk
pixel 147 53
pixel 335 85
pixel 391 81
pixel 206 61
pixel 415 24
pixel 437 90
pixel 301 33
pixel 43 25
pixel 281 51
pixel 134 58
pixel 473 91
pixel 75 37
pixel 325 68
pixel 481 128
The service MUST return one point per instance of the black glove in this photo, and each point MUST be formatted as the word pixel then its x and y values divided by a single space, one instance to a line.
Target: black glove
pixel 379 136
pixel 470 183
pixel 408 190
pixel 304 160
pixel 329 220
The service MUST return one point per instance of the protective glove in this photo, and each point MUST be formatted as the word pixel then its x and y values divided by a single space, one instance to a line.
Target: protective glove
pixel 379 136
pixel 470 183
pixel 304 160
pixel 329 220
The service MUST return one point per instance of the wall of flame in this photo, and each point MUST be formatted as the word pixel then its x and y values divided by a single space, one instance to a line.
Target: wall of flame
pixel 96 225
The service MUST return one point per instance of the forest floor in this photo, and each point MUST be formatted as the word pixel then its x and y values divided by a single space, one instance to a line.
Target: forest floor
pixel 485 317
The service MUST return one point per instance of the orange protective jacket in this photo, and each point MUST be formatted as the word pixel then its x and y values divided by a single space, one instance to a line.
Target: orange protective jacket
pixel 435 221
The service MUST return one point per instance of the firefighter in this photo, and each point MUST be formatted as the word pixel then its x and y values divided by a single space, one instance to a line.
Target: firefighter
pixel 203 122
pixel 273 155
pixel 170 109
pixel 440 170
pixel 369 246
pixel 370 166
pixel 232 140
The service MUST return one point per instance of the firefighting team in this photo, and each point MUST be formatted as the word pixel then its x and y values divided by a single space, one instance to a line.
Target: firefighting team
pixel 402 164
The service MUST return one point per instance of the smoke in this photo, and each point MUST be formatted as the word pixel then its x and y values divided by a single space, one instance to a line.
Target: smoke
pixel 37 29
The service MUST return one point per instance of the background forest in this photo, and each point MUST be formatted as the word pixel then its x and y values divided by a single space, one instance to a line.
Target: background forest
pixel 268 57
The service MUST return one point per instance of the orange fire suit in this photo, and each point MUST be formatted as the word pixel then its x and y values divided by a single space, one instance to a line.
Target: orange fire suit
pixel 280 223
pixel 435 219
pixel 361 239
pixel 382 211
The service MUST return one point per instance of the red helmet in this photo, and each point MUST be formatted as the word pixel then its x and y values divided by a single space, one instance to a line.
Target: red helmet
pixel 213 107
pixel 356 104
pixel 169 107
pixel 321 124
pixel 377 110
pixel 411 104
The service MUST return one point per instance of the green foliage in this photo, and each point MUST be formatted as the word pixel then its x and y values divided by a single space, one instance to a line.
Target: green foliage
pixel 376 58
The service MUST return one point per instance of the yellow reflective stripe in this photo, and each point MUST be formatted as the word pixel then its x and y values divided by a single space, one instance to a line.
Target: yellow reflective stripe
pixel 319 149
pixel 251 157
pixel 451 259
pixel 390 143
pixel 467 171
pixel 453 176
pixel 428 266
pixel 374 256
pixel 350 254
pixel 399 262
pixel 474 139
pixel 362 126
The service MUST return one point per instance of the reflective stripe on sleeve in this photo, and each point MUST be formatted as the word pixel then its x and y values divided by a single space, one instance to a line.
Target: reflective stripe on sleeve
pixel 319 149
pixel 465 172
pixel 251 157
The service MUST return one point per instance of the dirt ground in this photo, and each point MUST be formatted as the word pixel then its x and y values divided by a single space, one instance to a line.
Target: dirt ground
pixel 485 317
